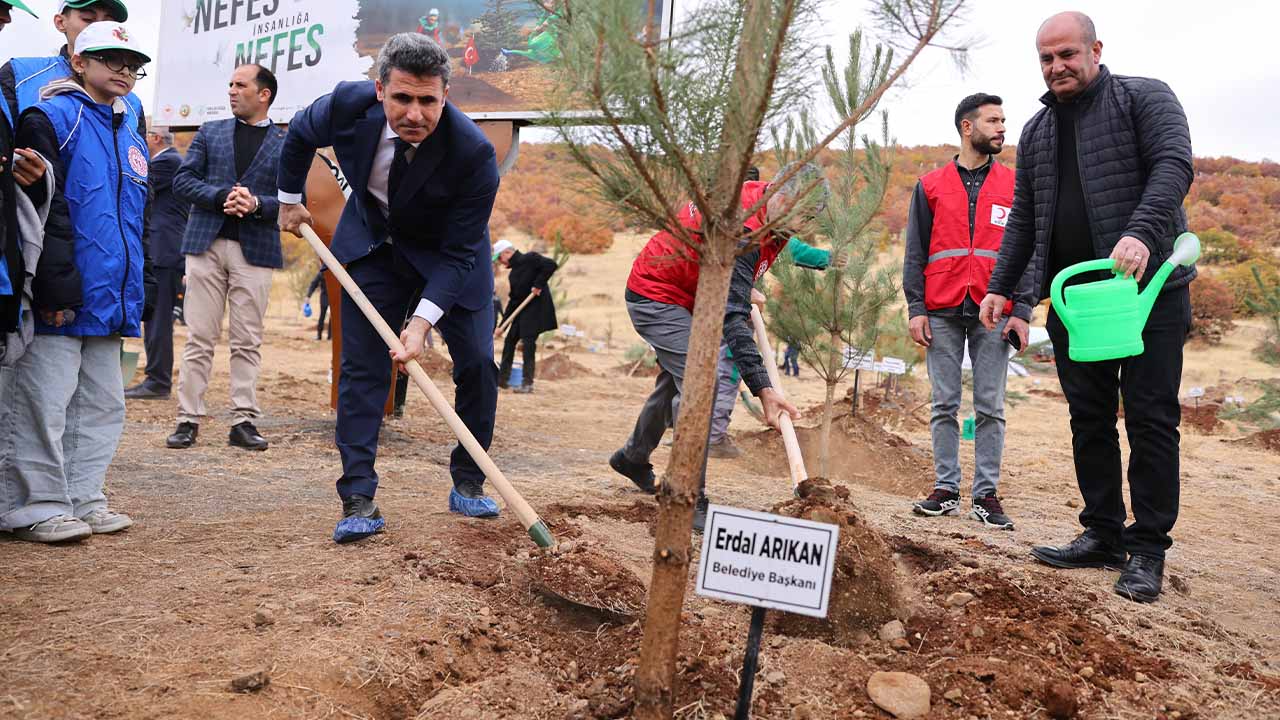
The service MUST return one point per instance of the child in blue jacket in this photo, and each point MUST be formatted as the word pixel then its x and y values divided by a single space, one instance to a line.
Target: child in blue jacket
pixel 66 412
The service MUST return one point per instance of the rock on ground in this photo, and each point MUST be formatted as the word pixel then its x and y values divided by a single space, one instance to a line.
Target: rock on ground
pixel 902 695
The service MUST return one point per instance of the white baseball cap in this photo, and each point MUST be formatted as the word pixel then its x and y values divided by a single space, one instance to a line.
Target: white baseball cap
pixel 107 35
pixel 500 247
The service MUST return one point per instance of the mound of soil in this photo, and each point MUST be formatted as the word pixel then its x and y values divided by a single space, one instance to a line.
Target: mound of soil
pixel 560 367
pixel 1266 439
pixel 625 370
pixel 436 365
pixel 861 452
pixel 864 589
pixel 584 575
pixel 1203 418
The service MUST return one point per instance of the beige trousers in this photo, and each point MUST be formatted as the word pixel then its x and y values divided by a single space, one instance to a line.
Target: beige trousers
pixel 220 279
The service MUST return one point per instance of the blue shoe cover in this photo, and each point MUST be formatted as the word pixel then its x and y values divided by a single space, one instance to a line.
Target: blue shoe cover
pixel 482 507
pixel 354 528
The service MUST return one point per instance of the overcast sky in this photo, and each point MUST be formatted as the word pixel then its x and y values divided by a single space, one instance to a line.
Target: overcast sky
pixel 1218 57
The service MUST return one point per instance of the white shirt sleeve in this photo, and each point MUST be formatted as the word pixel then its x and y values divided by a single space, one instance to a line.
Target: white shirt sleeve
pixel 289 198
pixel 429 311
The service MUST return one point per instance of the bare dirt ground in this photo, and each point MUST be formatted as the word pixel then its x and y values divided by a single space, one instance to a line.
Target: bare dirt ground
pixel 230 571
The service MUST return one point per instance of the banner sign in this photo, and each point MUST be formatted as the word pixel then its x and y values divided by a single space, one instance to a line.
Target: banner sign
pixel 765 560
pixel 503 51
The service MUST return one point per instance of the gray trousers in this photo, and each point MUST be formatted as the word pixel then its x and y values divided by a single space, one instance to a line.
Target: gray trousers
pixel 989 355
pixel 726 397
pixel 59 427
pixel 666 328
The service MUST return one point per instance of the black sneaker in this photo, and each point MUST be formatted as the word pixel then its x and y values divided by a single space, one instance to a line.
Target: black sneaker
pixel 184 437
pixel 245 435
pixel 939 502
pixel 639 473
pixel 700 514
pixel 987 510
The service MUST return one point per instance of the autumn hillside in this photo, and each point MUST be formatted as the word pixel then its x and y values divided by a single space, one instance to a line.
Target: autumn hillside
pixel 1234 206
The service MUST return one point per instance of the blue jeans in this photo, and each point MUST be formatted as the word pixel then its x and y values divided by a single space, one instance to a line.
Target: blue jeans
pixel 59 427
pixel 989 354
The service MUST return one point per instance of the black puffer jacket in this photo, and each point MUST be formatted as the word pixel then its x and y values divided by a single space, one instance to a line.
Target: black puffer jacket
pixel 1134 152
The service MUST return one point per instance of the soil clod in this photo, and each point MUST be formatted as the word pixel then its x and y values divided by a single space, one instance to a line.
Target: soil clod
pixel 576 572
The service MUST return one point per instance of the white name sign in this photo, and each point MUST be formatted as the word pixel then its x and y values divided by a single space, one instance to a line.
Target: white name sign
pixel 767 560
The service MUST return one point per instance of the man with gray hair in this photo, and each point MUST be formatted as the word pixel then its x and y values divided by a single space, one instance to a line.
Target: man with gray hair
pixel 660 294
pixel 414 235
pixel 168 223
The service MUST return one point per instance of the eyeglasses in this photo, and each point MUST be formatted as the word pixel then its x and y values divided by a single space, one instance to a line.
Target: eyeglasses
pixel 116 64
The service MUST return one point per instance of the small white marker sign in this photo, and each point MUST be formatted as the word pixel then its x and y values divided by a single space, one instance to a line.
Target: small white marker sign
pixel 770 561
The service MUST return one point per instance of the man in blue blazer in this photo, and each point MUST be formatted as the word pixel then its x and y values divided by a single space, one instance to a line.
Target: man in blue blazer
pixel 168 222
pixel 232 246
pixel 414 235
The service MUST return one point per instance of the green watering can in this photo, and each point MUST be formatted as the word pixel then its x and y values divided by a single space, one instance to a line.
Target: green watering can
pixel 1104 319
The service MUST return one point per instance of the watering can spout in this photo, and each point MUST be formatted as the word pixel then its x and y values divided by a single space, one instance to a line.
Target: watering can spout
pixel 1186 250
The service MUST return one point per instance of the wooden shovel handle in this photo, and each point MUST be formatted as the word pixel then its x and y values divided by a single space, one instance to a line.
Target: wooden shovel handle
pixel 508 492
pixel 789 440
pixel 506 322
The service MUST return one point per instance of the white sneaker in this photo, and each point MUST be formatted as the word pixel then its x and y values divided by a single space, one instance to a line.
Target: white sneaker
pixel 59 528
pixel 103 521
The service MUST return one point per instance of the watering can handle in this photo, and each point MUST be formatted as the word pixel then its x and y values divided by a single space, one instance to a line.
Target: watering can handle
pixel 1055 290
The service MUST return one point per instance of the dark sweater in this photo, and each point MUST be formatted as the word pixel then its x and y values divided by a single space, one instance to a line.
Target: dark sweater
pixel 247 143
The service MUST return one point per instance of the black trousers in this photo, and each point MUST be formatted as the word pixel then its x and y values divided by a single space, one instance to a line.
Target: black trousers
pixel 324 310
pixel 157 334
pixel 509 355
pixel 1148 383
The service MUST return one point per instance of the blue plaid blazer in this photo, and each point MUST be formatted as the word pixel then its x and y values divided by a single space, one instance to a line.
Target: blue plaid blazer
pixel 206 176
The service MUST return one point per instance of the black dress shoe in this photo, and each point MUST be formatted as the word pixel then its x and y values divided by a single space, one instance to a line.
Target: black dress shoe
pixel 144 391
pixel 639 473
pixel 184 436
pixel 360 506
pixel 245 435
pixel 1141 579
pixel 1086 551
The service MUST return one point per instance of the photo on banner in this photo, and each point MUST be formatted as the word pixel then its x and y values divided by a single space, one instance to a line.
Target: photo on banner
pixel 503 51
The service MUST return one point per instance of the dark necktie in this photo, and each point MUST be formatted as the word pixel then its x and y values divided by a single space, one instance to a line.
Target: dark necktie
pixel 399 166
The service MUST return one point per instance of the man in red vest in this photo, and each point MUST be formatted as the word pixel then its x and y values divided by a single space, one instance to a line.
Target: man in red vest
pixel 660 294
pixel 957 219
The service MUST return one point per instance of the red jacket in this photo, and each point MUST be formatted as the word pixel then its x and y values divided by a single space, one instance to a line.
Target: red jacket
pixel 666 270
pixel 957 266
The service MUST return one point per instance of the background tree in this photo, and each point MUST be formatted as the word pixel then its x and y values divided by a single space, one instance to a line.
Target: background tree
pixel 825 312
pixel 683 120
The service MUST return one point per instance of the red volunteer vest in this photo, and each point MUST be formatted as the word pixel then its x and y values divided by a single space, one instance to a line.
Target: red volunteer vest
pixel 666 269
pixel 957 267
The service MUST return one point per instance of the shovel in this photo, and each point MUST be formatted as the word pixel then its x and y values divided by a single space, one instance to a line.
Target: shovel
pixel 794 459
pixel 536 528
pixel 506 322
pixel 609 587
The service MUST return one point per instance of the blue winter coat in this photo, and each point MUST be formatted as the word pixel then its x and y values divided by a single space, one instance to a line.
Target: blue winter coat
pixel 105 166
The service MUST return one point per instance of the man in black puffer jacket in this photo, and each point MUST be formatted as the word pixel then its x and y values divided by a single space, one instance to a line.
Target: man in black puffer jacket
pixel 1102 172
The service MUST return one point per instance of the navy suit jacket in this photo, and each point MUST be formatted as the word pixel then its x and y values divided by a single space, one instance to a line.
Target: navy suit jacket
pixel 205 178
pixel 439 219
pixel 168 213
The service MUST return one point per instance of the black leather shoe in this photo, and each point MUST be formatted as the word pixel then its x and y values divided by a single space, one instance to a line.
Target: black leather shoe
pixel 360 506
pixel 639 473
pixel 1141 579
pixel 1086 551
pixel 245 435
pixel 184 436
pixel 144 391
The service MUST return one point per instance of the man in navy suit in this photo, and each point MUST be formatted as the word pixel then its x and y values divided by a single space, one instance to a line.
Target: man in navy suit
pixel 168 221
pixel 414 235
pixel 232 246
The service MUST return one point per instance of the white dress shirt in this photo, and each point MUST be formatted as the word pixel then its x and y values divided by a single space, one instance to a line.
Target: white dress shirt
pixel 379 176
